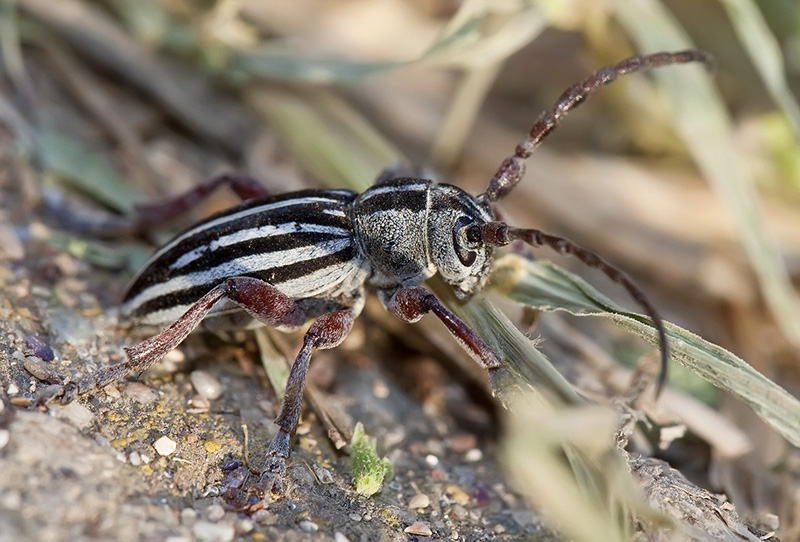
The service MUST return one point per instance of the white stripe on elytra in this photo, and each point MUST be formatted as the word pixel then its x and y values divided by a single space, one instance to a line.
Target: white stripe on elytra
pixel 236 216
pixel 377 190
pixel 248 263
pixel 262 232
pixel 329 282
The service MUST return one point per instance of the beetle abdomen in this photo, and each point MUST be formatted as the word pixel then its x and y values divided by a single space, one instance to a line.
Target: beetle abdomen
pixel 301 242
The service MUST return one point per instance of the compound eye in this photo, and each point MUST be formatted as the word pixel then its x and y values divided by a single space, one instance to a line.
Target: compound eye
pixel 464 248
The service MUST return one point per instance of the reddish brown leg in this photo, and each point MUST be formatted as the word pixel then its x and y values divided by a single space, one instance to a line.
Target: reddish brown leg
pixel 160 213
pixel 327 331
pixel 259 298
pixel 410 304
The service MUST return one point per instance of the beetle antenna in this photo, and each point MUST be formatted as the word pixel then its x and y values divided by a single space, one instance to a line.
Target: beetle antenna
pixel 512 169
pixel 500 234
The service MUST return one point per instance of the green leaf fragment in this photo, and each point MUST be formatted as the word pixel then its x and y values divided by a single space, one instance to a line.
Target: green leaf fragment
pixel 369 469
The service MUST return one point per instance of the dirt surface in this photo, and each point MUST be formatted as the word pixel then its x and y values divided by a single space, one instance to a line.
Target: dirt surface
pixel 86 130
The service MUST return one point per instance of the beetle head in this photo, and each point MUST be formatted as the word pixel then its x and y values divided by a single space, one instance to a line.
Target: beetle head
pixel 461 261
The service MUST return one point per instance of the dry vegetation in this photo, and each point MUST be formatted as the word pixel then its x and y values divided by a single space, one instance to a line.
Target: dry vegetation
pixel 687 180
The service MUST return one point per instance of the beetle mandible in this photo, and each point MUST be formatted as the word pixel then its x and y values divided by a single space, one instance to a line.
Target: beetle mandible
pixel 284 260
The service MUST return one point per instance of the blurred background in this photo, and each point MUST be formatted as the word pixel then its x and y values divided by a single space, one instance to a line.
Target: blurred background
pixel 687 180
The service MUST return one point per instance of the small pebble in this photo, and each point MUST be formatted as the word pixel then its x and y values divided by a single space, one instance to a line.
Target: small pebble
pixel 40 348
pixel 12 389
pixel 173 360
pixel 199 402
pixel 135 459
pixel 265 517
pixel 323 475
pixel 499 529
pixel 5 436
pixel 420 500
pixel 462 442
pixel 245 525
pixel 140 393
pixel 215 513
pixel 308 526
pixel 418 528
pixel 431 460
pixel 380 390
pixel 457 494
pixel 112 391
pixel 188 516
pixel 474 455
pixel 303 428
pixel 41 370
pixel 205 531
pixel 354 517
pixel 481 496
pixel 165 446
pixel 458 512
pixel 339 537
pixel 74 413
pixel 20 401
pixel 206 385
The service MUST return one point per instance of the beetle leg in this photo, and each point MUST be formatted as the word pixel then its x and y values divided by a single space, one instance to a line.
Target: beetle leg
pixel 160 213
pixel 327 331
pixel 259 298
pixel 411 303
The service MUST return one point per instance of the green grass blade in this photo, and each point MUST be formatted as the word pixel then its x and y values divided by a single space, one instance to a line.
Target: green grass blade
pixel 545 286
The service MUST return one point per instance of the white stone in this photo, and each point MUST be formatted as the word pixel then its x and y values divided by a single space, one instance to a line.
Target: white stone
pixel 165 446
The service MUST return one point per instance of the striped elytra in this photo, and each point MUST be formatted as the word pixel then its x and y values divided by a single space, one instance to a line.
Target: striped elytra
pixel 301 241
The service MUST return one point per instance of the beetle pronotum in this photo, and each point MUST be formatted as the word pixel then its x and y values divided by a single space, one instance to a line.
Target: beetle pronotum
pixel 286 259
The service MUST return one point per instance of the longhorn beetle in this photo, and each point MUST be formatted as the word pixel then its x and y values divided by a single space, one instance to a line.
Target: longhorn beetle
pixel 290 258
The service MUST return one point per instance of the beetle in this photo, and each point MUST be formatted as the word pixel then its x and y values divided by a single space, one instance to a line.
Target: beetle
pixel 283 260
